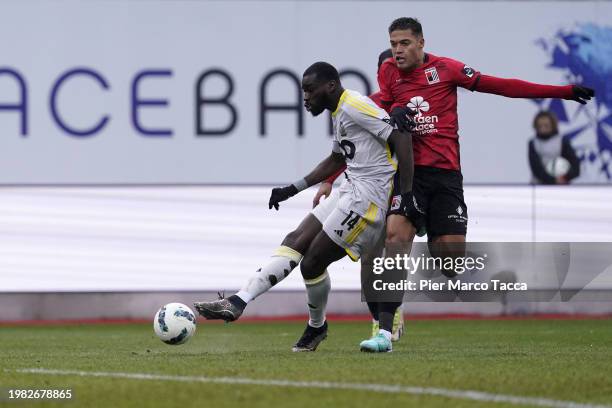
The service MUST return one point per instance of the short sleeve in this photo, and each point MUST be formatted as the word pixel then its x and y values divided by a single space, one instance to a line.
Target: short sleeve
pixel 463 75
pixel 369 116
pixel 384 80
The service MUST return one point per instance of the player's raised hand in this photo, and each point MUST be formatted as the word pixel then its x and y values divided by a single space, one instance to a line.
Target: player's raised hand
pixel 324 190
pixel 401 116
pixel 281 194
pixel 582 94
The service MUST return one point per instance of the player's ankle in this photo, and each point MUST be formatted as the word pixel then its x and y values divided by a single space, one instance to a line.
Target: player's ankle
pixel 237 301
pixel 385 333
pixel 244 296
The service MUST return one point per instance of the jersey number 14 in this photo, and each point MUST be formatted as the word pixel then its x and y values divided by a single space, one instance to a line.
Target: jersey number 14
pixel 350 220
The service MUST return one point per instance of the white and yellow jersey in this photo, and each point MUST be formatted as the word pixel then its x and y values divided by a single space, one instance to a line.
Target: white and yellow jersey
pixel 361 130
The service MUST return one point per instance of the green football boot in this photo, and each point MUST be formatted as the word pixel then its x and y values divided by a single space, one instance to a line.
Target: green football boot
pixel 377 344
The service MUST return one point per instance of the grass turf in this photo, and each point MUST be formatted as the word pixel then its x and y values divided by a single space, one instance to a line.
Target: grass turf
pixel 556 359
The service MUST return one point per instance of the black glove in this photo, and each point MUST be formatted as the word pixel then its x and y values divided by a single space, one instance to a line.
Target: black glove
pixel 402 118
pixel 582 94
pixel 281 194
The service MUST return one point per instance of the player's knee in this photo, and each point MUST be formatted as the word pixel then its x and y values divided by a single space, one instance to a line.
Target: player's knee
pixel 399 231
pixel 311 267
pixel 397 236
pixel 447 250
pixel 294 240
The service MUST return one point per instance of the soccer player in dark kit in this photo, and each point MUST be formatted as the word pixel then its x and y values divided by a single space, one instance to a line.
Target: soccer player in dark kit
pixel 424 85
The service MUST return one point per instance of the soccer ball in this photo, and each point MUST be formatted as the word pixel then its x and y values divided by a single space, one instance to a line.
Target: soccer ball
pixel 174 323
pixel 558 166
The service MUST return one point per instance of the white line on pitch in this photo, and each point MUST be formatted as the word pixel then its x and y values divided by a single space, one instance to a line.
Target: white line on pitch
pixel 383 388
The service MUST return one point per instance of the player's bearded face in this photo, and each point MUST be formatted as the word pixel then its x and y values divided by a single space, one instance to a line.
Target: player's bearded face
pixel 316 97
pixel 407 49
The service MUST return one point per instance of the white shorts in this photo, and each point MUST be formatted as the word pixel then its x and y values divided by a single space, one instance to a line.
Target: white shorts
pixel 356 234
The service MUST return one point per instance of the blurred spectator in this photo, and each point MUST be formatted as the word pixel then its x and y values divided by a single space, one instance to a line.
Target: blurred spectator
pixel 551 157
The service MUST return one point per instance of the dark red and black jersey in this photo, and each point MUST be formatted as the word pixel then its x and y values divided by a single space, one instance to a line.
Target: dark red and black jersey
pixel 431 90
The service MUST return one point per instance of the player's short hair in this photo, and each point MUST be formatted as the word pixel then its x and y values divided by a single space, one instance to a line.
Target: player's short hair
pixel 547 114
pixel 407 23
pixel 383 56
pixel 323 71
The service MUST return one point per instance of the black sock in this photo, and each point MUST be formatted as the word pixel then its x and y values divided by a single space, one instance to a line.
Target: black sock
pixel 373 306
pixel 386 312
pixel 236 301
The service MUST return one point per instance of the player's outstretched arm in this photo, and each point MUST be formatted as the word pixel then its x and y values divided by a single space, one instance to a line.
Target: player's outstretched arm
pixel 402 144
pixel 326 168
pixel 331 165
pixel 516 88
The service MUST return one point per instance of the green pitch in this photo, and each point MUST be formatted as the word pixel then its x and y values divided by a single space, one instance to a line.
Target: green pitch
pixel 567 360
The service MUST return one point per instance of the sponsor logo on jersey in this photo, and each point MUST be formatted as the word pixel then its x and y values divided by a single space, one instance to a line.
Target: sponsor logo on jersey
pixel 469 72
pixel 459 210
pixel 424 123
pixel 432 76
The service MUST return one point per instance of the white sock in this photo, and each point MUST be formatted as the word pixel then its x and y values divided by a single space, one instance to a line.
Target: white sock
pixel 281 264
pixel 318 291
pixel 244 295
pixel 385 333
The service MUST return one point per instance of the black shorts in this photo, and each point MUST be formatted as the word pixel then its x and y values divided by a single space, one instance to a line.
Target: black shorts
pixel 439 206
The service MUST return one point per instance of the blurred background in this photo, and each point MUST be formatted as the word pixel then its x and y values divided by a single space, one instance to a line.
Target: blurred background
pixel 139 141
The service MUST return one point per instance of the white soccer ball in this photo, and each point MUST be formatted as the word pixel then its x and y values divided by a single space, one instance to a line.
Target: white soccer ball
pixel 558 166
pixel 174 323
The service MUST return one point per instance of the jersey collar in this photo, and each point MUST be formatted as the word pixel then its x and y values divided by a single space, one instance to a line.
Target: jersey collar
pixel 417 70
pixel 340 102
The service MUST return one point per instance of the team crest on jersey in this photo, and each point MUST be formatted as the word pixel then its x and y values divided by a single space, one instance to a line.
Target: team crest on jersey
pixel 469 72
pixel 432 75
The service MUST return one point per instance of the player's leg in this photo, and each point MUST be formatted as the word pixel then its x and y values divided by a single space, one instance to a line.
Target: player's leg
pixel 400 233
pixel 322 252
pixel 283 261
pixel 448 246
pixel 399 237
pixel 367 276
pixel 344 232
pixel 280 265
pixel 447 218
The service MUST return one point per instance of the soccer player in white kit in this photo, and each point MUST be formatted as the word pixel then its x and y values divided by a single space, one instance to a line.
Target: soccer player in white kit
pixel 364 137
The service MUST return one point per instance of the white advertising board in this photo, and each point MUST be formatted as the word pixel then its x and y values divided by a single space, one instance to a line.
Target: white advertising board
pixel 214 238
pixel 188 91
